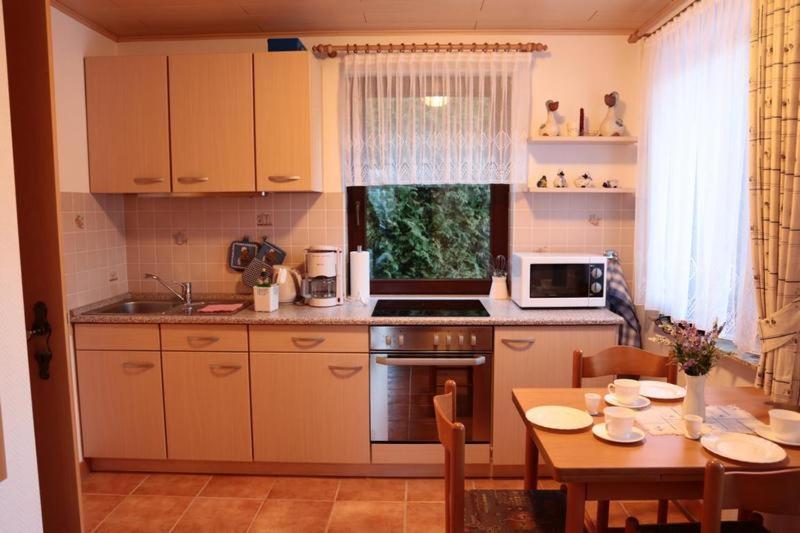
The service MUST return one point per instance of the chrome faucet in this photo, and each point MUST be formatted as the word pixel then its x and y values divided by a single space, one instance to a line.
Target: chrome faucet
pixel 186 288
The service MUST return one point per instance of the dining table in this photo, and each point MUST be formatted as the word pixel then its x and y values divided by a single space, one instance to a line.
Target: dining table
pixel 659 467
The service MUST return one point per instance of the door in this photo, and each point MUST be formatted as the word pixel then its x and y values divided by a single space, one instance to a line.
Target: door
pixel 211 120
pixel 30 83
pixel 287 123
pixel 122 406
pixel 127 117
pixel 207 399
pixel 310 407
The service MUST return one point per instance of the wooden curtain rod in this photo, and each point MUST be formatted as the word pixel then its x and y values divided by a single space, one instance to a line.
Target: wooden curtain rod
pixel 332 50
pixel 663 18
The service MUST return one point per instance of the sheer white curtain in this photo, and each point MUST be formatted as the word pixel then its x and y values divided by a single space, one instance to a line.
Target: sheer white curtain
pixel 435 118
pixel 692 237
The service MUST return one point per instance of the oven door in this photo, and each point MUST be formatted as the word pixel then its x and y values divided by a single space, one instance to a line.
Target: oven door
pixel 402 387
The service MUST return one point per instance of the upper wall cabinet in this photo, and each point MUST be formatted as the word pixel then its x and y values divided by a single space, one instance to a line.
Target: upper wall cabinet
pixel 127 118
pixel 211 118
pixel 288 127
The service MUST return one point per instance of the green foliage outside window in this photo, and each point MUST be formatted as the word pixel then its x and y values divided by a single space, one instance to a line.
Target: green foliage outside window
pixel 429 232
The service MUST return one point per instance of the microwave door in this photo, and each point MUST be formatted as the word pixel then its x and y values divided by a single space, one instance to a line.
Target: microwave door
pixel 559 284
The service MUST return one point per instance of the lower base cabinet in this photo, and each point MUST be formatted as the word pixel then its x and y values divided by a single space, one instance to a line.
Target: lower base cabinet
pixel 207 404
pixel 310 407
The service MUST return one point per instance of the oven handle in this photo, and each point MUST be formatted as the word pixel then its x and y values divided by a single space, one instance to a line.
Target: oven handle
pixel 430 361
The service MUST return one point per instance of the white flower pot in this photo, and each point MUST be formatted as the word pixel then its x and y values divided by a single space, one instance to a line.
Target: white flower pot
pixel 265 299
pixel 695 401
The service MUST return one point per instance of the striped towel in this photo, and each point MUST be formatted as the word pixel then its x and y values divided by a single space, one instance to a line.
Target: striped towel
pixel 619 301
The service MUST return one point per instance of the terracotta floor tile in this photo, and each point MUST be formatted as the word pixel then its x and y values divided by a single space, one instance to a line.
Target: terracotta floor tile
pixel 425 517
pixel 145 514
pixel 238 487
pixel 501 484
pixel 218 514
pixel 426 490
pixel 647 512
pixel 366 517
pixel 372 489
pixel 304 488
pixel 284 516
pixel 616 513
pixel 173 484
pixel 96 507
pixel 111 483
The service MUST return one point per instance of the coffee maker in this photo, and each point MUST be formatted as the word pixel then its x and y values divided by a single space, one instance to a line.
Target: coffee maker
pixel 323 285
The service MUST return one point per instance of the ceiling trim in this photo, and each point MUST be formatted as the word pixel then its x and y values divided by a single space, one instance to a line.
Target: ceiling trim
pixel 102 30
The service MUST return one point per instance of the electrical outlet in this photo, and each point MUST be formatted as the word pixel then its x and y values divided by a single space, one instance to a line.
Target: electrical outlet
pixel 112 276
pixel 263 219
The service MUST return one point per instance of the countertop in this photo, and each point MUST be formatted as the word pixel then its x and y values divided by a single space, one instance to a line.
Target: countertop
pixel 501 313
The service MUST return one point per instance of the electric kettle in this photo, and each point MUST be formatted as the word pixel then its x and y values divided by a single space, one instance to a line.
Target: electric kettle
pixel 288 280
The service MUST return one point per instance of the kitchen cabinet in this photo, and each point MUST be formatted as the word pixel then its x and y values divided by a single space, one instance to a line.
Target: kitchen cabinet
pixel 310 407
pixel 323 339
pixel 121 404
pixel 211 122
pixel 207 404
pixel 200 338
pixel 288 122
pixel 534 357
pixel 127 118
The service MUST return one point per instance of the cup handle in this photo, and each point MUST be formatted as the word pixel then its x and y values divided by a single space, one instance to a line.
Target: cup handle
pixel 611 388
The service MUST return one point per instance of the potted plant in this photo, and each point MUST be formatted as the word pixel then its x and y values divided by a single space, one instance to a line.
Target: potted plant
pixel 695 352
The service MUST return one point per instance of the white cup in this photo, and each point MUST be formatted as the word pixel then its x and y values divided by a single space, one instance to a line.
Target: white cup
pixel 592 400
pixel 785 424
pixel 624 390
pixel 692 426
pixel 619 421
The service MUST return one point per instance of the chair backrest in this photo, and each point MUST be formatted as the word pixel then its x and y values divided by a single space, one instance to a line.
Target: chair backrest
pixel 625 360
pixel 452 437
pixel 773 492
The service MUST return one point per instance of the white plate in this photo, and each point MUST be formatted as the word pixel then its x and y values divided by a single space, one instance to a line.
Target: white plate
pixel 635 435
pixel 661 390
pixel 765 431
pixel 640 403
pixel 559 417
pixel 743 448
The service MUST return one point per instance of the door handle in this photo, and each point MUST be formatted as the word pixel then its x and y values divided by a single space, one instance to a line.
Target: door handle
pixel 193 339
pixel 431 361
pixel 525 342
pixel 283 179
pixel 132 365
pixel 309 342
pixel 147 181
pixel 42 330
pixel 343 372
pixel 215 366
pixel 192 179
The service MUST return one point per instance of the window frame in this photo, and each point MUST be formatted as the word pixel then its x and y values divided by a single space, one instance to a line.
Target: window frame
pixel 498 245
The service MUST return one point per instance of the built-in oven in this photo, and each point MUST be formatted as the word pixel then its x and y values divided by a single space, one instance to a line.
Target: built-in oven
pixel 409 365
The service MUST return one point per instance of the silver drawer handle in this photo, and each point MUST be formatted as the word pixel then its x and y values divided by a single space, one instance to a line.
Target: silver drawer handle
pixel 129 364
pixel 147 181
pixel 192 179
pixel 308 340
pixel 431 361
pixel 334 368
pixel 526 342
pixel 283 179
pixel 195 339
pixel 224 367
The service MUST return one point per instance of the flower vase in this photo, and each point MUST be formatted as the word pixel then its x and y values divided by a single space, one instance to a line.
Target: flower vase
pixel 695 401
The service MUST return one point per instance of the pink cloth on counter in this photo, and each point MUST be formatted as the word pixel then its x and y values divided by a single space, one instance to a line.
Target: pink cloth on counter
pixel 221 308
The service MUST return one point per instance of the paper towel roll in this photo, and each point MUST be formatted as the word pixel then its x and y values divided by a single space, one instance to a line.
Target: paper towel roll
pixel 359 276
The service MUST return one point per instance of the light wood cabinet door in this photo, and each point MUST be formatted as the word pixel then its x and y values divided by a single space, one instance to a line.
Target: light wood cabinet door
pixel 310 408
pixel 207 403
pixel 534 357
pixel 127 118
pixel 211 119
pixel 121 404
pixel 288 143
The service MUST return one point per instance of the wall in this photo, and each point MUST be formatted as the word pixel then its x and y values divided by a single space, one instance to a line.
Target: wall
pixel 20 508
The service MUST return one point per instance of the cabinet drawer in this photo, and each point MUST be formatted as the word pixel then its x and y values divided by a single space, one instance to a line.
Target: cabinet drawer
pixel 117 337
pixel 177 337
pixel 309 339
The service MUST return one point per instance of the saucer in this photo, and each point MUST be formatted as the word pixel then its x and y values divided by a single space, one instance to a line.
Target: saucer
pixel 640 403
pixel 558 417
pixel 660 390
pixel 635 435
pixel 763 430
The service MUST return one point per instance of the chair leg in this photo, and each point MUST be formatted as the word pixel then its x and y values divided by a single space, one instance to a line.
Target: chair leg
pixel 663 511
pixel 631 525
pixel 601 520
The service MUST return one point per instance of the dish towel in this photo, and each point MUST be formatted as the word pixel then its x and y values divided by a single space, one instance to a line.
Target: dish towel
pixel 619 301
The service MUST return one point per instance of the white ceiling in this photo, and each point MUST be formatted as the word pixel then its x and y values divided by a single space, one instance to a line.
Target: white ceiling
pixel 147 18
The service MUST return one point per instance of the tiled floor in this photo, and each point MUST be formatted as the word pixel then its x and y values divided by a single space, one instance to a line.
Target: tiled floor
pixel 117 502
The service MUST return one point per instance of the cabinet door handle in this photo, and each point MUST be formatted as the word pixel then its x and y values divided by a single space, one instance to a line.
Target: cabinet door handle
pixel 193 339
pixel 215 366
pixel 343 372
pixel 138 366
pixel 283 179
pixel 147 181
pixel 525 342
pixel 311 341
pixel 192 179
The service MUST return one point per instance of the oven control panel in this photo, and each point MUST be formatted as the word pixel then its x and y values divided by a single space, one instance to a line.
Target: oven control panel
pixel 430 338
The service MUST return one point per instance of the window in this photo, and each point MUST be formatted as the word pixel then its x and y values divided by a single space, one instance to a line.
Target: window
pixel 429 239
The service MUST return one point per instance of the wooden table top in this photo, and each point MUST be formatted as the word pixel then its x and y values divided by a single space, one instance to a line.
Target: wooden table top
pixel 582 457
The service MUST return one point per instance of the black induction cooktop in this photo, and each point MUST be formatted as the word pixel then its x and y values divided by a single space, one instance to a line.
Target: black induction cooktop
pixel 429 308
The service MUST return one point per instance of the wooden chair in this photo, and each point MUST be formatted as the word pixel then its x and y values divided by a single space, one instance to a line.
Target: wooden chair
pixel 617 361
pixel 473 511
pixel 773 492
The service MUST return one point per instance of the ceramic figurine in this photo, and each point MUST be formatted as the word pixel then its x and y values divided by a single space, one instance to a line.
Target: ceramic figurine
pixel 611 125
pixel 560 182
pixel 611 184
pixel 584 182
pixel 549 128
pixel 542 183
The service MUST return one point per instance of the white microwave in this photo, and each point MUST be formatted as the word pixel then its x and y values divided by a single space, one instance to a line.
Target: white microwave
pixel 558 280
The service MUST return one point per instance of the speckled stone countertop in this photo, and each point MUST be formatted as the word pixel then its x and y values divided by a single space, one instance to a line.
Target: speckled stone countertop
pixel 501 313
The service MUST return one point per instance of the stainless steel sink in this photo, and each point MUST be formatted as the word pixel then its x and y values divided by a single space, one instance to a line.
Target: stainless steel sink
pixel 136 307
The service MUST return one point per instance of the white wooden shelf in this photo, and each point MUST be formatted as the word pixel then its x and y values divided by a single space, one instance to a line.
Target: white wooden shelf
pixel 576 190
pixel 586 140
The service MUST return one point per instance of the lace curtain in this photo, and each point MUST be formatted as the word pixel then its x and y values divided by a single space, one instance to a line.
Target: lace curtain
pixel 435 118
pixel 692 218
